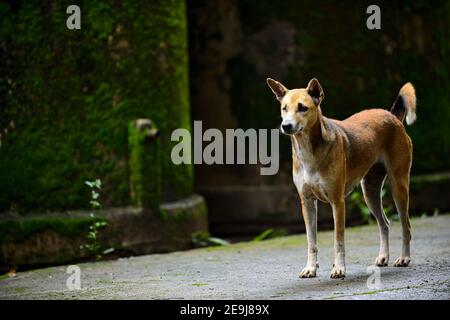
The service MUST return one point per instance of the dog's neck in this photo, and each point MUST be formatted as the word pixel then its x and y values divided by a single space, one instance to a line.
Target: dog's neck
pixel 309 139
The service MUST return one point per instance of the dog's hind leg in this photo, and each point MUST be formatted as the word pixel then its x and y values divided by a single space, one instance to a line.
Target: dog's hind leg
pixel 371 187
pixel 398 173
pixel 400 193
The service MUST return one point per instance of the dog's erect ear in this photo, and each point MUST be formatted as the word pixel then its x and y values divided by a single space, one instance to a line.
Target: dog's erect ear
pixel 315 91
pixel 277 88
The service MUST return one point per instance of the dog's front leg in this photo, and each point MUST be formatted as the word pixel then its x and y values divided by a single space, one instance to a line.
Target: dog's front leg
pixel 309 211
pixel 338 270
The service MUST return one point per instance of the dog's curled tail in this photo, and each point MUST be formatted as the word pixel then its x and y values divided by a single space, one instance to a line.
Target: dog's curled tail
pixel 405 104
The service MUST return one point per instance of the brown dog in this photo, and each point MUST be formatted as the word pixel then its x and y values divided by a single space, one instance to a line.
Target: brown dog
pixel 330 157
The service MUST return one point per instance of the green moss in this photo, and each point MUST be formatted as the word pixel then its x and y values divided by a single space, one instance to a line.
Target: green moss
pixel 67 97
pixel 373 292
pixel 179 215
pixel 145 167
pixel 13 230
pixel 20 290
pixel 4 276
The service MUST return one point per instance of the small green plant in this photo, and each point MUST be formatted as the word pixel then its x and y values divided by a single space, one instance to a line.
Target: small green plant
pixel 203 239
pixel 270 234
pixel 93 245
pixel 435 212
pixel 357 199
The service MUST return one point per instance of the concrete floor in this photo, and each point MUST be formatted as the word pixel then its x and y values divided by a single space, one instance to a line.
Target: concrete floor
pixel 258 270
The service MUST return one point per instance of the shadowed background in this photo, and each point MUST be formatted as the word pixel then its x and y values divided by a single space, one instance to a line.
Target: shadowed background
pixel 236 45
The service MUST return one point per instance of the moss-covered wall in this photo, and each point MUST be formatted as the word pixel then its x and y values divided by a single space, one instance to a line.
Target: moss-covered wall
pixel 67 96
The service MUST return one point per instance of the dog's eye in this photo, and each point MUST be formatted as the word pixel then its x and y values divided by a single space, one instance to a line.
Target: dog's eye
pixel 301 108
pixel 284 108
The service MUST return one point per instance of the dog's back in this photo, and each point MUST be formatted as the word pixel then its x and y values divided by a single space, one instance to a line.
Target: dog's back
pixel 377 135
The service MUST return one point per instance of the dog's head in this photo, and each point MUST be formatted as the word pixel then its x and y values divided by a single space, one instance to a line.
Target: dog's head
pixel 299 107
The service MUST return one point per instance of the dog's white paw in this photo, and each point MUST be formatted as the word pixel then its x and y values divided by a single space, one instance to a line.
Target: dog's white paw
pixel 338 272
pixel 382 260
pixel 402 261
pixel 308 272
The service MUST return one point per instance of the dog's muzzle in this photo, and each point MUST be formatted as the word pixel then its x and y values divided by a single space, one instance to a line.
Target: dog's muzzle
pixel 289 128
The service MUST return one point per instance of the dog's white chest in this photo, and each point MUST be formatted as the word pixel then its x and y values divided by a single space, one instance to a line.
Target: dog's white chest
pixel 309 181
pixel 306 176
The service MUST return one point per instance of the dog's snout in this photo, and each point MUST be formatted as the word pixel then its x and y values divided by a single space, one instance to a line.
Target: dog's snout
pixel 287 127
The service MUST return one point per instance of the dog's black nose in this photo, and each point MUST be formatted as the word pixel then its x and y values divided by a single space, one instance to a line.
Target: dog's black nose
pixel 287 127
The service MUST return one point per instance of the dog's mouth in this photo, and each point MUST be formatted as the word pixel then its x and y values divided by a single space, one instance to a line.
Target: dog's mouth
pixel 291 131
